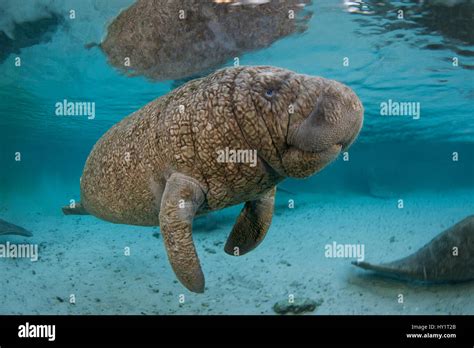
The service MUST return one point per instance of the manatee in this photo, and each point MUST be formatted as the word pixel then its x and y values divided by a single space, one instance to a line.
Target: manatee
pixel 8 228
pixel 449 257
pixel 172 40
pixel 163 164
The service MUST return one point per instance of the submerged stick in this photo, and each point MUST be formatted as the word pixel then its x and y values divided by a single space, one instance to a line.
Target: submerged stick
pixel 449 257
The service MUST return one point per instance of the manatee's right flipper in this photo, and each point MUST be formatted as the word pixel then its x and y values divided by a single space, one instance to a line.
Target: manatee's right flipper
pixel 180 201
pixel 78 209
pixel 252 225
pixel 8 228
pixel 449 257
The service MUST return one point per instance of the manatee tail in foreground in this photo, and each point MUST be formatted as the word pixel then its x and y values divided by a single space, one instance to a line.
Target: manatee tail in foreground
pixel 8 228
pixel 449 257
pixel 78 209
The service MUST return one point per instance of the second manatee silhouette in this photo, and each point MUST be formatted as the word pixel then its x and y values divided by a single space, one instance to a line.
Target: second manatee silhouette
pixel 169 40
pixel 447 258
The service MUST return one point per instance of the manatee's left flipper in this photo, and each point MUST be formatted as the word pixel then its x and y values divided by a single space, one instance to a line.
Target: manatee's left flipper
pixel 181 200
pixel 252 225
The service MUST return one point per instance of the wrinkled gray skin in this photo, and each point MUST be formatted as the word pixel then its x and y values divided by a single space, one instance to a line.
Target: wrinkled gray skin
pixel 436 261
pixel 160 165
pixel 8 228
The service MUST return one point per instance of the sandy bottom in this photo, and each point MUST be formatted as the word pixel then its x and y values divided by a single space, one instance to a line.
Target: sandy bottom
pixel 85 256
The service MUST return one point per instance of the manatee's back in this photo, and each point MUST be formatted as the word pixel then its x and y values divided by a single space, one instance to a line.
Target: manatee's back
pixel 123 172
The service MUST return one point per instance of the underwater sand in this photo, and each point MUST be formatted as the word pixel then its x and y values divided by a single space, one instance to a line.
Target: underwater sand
pixel 84 256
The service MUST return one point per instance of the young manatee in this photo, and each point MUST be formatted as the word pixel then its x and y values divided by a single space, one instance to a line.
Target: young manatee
pixel 225 139
pixel 8 228
pixel 447 258
pixel 169 40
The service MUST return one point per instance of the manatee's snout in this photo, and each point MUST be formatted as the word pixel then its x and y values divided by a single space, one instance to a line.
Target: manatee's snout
pixel 335 120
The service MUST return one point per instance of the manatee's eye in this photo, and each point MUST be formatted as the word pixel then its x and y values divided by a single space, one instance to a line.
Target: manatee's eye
pixel 269 93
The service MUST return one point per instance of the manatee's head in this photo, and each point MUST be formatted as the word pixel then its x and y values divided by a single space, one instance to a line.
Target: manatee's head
pixel 309 120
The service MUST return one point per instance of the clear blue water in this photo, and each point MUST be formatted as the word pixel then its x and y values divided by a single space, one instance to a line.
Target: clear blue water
pixel 403 60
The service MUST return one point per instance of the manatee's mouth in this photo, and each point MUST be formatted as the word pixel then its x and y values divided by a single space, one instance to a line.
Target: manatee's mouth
pixel 328 153
pixel 334 122
pixel 331 148
pixel 301 142
pixel 340 146
pixel 299 163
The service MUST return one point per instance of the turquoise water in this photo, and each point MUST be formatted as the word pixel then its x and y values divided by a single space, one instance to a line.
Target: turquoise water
pixel 409 60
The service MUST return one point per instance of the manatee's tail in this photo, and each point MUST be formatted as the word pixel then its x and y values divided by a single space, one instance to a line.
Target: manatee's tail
pixel 77 209
pixel 8 228
pixel 449 257
pixel 370 267
pixel 397 268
